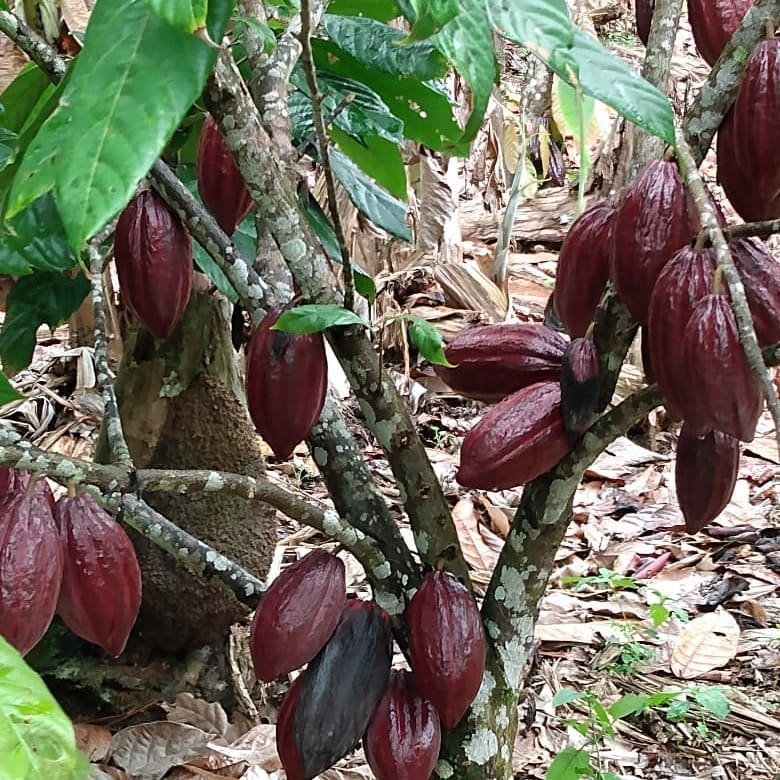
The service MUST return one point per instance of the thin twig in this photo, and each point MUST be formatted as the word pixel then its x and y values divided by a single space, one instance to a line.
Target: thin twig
pixel 33 45
pixel 760 229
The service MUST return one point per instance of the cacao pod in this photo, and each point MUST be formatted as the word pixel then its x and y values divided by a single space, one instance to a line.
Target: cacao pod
pixel 654 220
pixel 647 359
pixel 516 441
pixel 297 614
pixel 30 569
pixel 286 383
pixel 713 23
pixel 685 280
pixel 286 744
pixel 644 17
pixel 101 579
pixel 13 481
pixel 403 739
pixel 153 254
pixel 494 361
pixel 724 394
pixel 220 184
pixel 447 645
pixel 705 473
pixel 760 274
pixel 583 267
pixel 580 385
pixel 339 690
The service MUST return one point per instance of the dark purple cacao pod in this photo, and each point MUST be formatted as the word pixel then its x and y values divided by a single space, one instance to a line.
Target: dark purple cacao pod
pixel 654 220
pixel 220 184
pixel 286 744
pixel 297 614
pixel 724 394
pixel 580 385
pixel 30 569
pixel 101 581
pixel 447 645
pixel 583 267
pixel 153 254
pixel 705 473
pixel 286 383
pixel 644 17
pixel 760 273
pixel 494 361
pixel 516 441
pixel 713 23
pixel 13 481
pixel 685 280
pixel 403 739
pixel 647 358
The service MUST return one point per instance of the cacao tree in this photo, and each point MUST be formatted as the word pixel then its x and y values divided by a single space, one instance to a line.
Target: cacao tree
pixel 181 119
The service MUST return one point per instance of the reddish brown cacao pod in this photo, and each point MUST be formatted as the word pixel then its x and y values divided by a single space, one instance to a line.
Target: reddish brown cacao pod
pixel 101 582
pixel 705 473
pixel 13 481
pixel 153 254
pixel 654 220
pixel 580 385
pixel 286 383
pixel 494 361
pixel 685 280
pixel 447 645
pixel 30 569
pixel 403 739
pixel 297 614
pixel 583 267
pixel 644 17
pixel 516 441
pixel 713 23
pixel 286 744
pixel 760 273
pixel 220 184
pixel 724 394
pixel 647 359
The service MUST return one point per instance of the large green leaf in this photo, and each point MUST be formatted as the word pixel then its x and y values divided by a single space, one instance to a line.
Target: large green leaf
pixel 382 10
pixel 36 738
pixel 315 317
pixel 20 96
pixel 431 16
pixel 41 298
pixel 131 86
pixel 376 157
pixel 578 58
pixel 187 15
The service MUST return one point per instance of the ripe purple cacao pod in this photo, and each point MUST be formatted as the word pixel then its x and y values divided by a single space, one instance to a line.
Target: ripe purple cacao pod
pixel 583 267
pixel 220 184
pixel 447 645
pixel 760 274
pixel 30 569
pixel 403 739
pixel 644 17
pixel 286 744
pixel 286 383
pixel 516 441
pixel 339 691
pixel 101 580
pixel 724 394
pixel 153 254
pixel 13 481
pixel 580 385
pixel 297 614
pixel 713 23
pixel 685 280
pixel 494 361
pixel 654 220
pixel 705 473
pixel 647 358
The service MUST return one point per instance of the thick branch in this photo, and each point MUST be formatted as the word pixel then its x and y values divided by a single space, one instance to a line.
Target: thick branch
pixel 33 45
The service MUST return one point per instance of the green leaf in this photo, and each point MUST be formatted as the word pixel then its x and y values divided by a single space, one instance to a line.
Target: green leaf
pixel 261 30
pixel 566 696
pixel 678 711
pixel 659 614
pixel 36 737
pixel 578 58
pixel 8 142
pixel 8 393
pixel 714 700
pixel 432 15
pixel 377 158
pixel 569 764
pixel 315 317
pixel 20 96
pixel 427 340
pixel 126 96
pixel 381 10
pixel 364 284
pixel 41 298
pixel 630 704
pixel 187 15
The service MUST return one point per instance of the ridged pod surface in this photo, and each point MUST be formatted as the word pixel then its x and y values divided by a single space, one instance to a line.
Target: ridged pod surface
pixel 403 739
pixel 494 361
pixel 447 645
pixel 724 394
pixel 516 441
pixel 30 569
pixel 219 182
pixel 760 274
pixel 101 580
pixel 286 744
pixel 286 383
pixel 685 280
pixel 583 267
pixel 297 614
pixel 580 385
pixel 153 254
pixel 705 475
pixel 654 220
pixel 644 17
pixel 13 481
pixel 713 23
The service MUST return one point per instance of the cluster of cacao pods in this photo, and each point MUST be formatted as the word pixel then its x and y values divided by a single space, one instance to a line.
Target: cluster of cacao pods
pixel 348 691
pixel 68 557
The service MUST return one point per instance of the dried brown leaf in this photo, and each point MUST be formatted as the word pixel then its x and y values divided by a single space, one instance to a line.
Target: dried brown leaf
pixel 706 643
